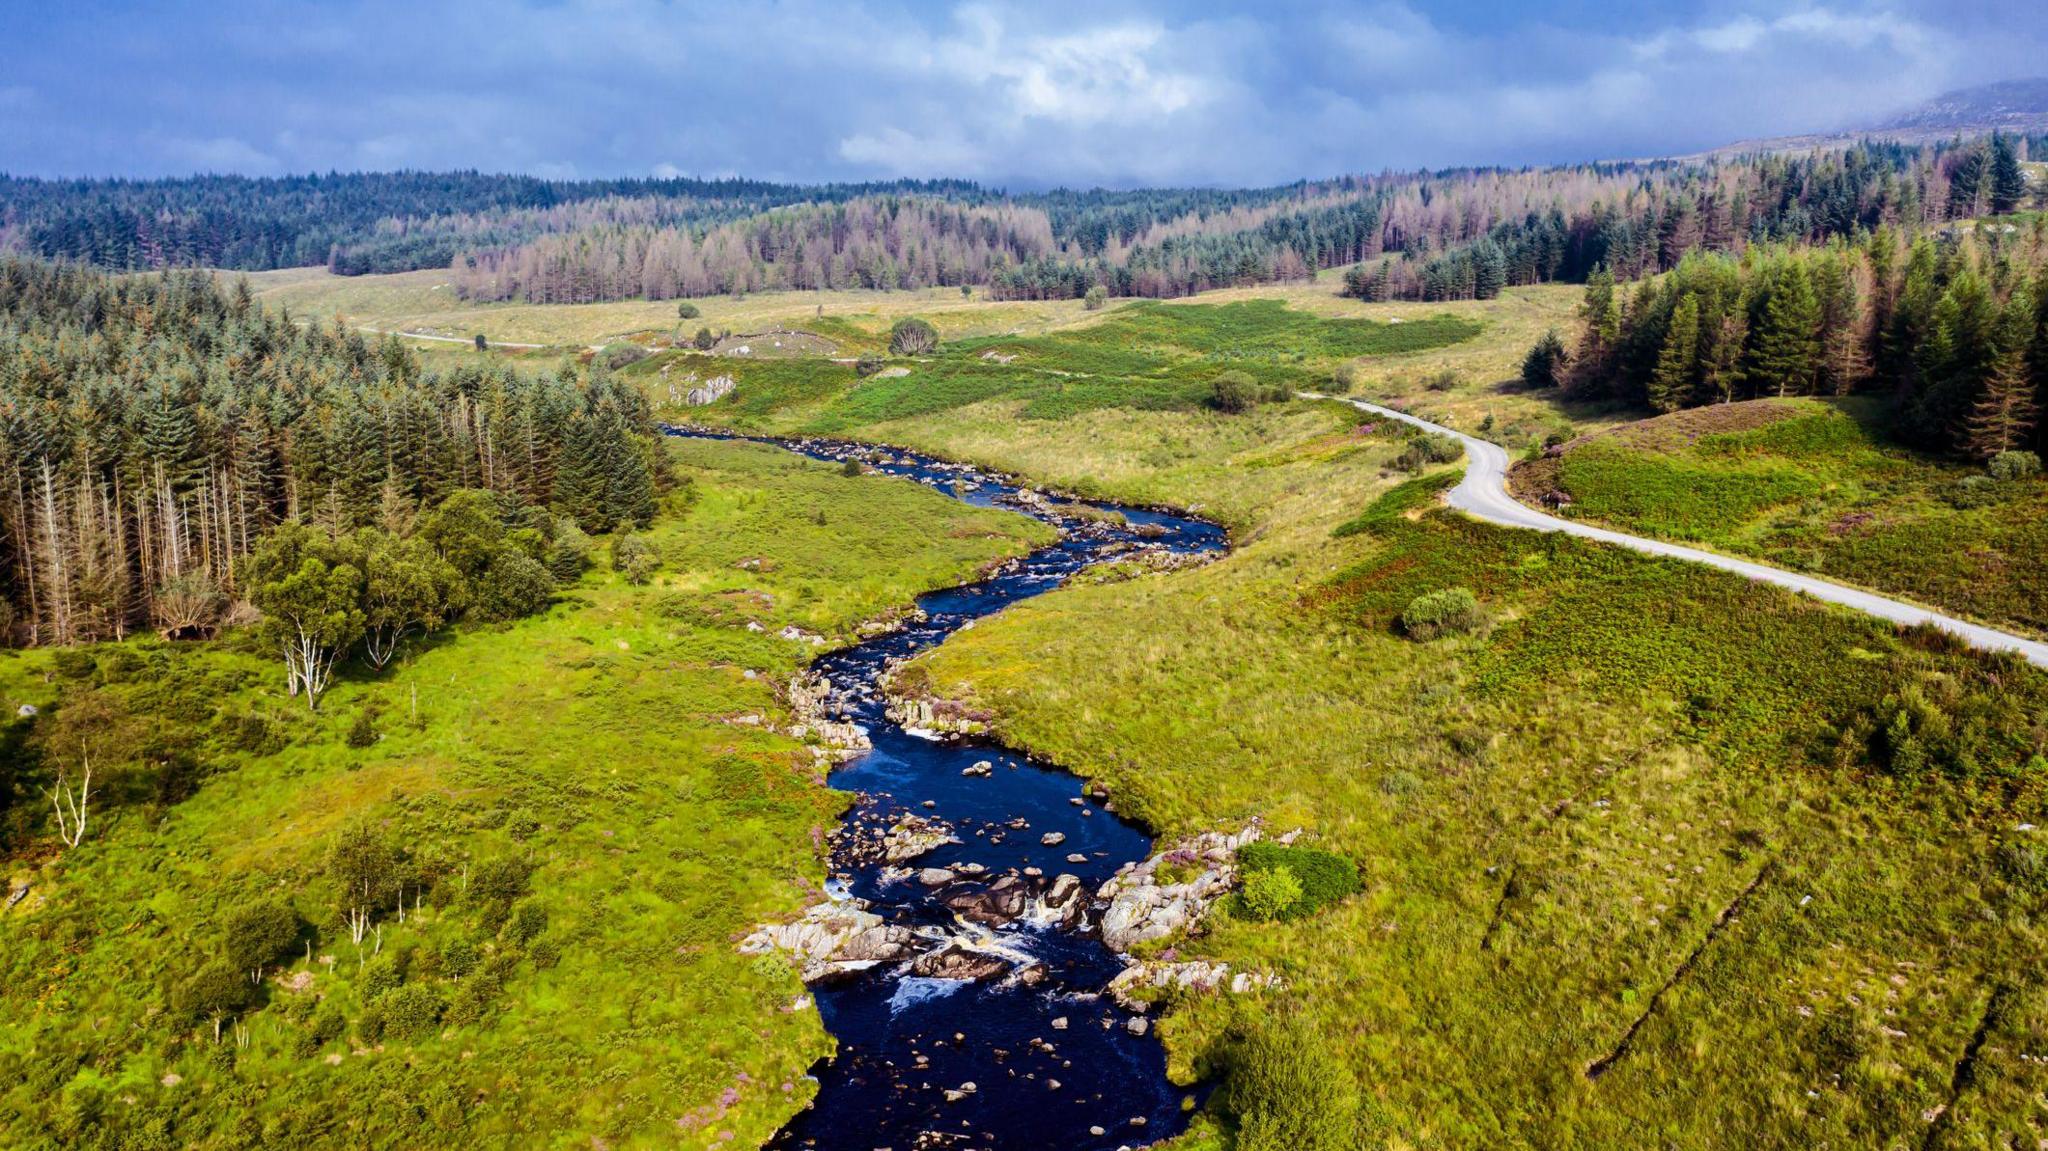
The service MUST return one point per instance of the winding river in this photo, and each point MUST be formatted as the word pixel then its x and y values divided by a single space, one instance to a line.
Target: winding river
pixel 1034 1056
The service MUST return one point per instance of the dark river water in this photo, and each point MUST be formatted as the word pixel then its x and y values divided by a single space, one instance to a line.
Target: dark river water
pixel 909 1044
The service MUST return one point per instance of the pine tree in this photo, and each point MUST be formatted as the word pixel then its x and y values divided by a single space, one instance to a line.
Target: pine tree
pixel 1965 184
pixel 1785 346
pixel 2008 179
pixel 1671 385
pixel 2005 414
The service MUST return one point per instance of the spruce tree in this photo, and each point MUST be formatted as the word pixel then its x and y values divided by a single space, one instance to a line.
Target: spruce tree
pixel 2008 180
pixel 2005 414
pixel 1671 385
pixel 1785 348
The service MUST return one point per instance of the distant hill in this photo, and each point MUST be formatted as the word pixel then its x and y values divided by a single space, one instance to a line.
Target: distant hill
pixel 2010 106
pixel 2016 106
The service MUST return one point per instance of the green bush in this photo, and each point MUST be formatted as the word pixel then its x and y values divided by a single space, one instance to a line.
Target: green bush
pixel 913 337
pixel 215 991
pixel 260 933
pixel 459 957
pixel 1270 893
pixel 1429 448
pixel 1233 392
pixel 688 311
pixel 617 356
pixel 2007 466
pixel 514 586
pixel 1451 611
pixel 1319 877
pixel 635 557
pixel 363 731
pixel 569 553
pixel 868 364
pixel 1095 299
pixel 381 974
pixel 526 923
pixel 1288 1090
pixel 73 663
pixel 704 340
pixel 499 880
pixel 409 1011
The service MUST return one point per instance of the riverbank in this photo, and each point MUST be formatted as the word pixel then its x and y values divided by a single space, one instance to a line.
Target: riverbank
pixel 619 769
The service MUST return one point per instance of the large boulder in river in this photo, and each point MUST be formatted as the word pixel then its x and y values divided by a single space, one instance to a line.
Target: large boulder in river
pixel 955 961
pixel 1172 891
pixel 834 938
pixel 915 835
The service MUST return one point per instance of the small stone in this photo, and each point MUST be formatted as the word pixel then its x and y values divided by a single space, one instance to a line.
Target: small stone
pixel 1077 857
pixel 1060 1024
pixel 1097 1131
pixel 935 877
pixel 1052 1085
pixel 1137 1026
pixel 1052 839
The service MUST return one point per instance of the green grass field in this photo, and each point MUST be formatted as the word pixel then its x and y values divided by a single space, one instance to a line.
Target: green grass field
pixel 1652 857
pixel 1553 815
pixel 587 826
pixel 1814 486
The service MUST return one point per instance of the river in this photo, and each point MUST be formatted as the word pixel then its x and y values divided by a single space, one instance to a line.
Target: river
pixel 1035 1057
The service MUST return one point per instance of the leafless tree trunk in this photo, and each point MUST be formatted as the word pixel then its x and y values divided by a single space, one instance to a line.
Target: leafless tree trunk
pixel 71 806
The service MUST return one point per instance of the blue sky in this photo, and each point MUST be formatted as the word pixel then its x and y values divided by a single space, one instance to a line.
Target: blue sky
pixel 1023 94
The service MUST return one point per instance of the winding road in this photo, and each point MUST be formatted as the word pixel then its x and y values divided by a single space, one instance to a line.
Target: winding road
pixel 1483 493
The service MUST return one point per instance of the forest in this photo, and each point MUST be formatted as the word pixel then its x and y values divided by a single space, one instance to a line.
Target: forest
pixel 1953 329
pixel 1446 235
pixel 156 429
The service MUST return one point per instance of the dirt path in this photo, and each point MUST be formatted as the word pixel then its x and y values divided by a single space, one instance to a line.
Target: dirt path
pixel 1483 493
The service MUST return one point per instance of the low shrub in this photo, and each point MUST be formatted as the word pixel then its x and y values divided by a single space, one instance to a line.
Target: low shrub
pixel 1288 1090
pixel 215 991
pixel 688 311
pixel 913 337
pixel 1429 448
pixel 1450 611
pixel 409 1011
pixel 635 557
pixel 1318 877
pixel 1270 893
pixel 259 933
pixel 2007 466
pixel 1095 299
pixel 868 364
pixel 617 356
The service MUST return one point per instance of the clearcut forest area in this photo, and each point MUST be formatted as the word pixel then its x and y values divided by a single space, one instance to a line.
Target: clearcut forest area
pixel 426 675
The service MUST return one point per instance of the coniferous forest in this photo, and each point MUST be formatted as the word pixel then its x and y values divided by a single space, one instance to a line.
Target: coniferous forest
pixel 157 429
pixel 1448 235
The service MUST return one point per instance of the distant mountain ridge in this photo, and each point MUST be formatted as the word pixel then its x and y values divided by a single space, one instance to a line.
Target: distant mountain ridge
pixel 2010 105
pixel 2019 107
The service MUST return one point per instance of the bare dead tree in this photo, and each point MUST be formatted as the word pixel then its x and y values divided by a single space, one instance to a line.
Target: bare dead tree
pixel 71 806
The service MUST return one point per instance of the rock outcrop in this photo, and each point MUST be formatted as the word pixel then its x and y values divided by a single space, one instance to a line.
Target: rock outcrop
pixel 809 698
pixel 1130 986
pixel 1171 891
pixel 833 939
pixel 709 392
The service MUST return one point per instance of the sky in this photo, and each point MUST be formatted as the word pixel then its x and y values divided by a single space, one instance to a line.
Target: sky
pixel 1019 95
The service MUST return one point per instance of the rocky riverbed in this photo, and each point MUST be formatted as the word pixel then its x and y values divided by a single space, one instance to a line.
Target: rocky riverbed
pixel 968 954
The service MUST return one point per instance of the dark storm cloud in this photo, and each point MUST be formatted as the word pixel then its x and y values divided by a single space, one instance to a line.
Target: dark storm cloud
pixel 1115 93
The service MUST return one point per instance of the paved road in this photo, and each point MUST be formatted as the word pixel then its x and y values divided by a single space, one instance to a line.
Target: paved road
pixel 1484 493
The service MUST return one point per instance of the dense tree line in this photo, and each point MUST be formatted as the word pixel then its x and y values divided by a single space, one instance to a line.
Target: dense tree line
pixel 1954 328
pixel 356 222
pixel 884 242
pixel 1453 234
pixel 154 429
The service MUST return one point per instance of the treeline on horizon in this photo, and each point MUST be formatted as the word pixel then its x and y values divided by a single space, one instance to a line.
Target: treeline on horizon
pixel 1456 234
pixel 154 430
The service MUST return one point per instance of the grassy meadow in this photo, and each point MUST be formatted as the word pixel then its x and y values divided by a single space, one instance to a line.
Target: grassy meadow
pixel 1652 855
pixel 1650 833
pixel 591 804
pixel 1815 486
